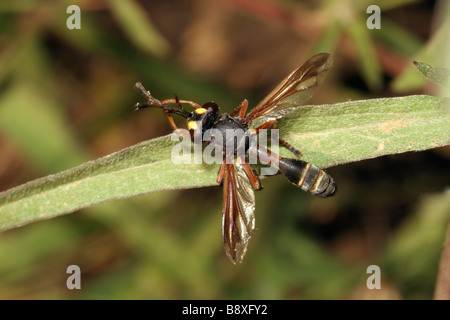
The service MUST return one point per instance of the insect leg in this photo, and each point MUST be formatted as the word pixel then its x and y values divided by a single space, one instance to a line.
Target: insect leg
pixel 170 119
pixel 266 125
pixel 220 174
pixel 178 101
pixel 284 143
pixel 252 175
pixel 295 151
pixel 243 107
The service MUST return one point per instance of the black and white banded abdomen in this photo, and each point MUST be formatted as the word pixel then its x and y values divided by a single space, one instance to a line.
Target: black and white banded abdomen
pixel 308 177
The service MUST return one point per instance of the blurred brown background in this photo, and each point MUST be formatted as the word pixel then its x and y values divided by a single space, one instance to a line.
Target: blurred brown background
pixel 67 96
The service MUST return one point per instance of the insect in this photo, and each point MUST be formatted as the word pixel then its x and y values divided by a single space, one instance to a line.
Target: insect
pixel 239 180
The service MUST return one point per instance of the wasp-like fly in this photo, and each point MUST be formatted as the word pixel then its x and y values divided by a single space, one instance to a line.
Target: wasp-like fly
pixel 238 179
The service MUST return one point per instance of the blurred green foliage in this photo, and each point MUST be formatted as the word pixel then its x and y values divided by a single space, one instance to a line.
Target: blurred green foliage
pixel 66 96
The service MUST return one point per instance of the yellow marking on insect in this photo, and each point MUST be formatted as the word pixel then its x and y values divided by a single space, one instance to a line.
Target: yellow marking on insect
pixel 303 175
pixel 200 110
pixel 192 125
pixel 318 181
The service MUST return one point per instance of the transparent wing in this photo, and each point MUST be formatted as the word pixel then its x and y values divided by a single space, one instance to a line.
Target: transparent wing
pixel 238 212
pixel 296 88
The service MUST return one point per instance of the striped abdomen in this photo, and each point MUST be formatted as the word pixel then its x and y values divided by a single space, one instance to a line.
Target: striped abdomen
pixel 308 177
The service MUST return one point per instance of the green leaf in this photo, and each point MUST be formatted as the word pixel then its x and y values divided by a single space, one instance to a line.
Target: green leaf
pixel 436 52
pixel 142 168
pixel 437 75
pixel 327 135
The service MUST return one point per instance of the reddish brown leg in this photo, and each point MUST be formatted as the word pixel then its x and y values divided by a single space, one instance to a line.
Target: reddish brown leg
pixel 220 174
pixel 252 175
pixel 168 111
pixel 170 119
pixel 243 107
pixel 177 101
pixel 295 151
pixel 266 125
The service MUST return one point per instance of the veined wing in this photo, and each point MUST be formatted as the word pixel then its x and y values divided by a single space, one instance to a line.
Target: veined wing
pixel 238 212
pixel 296 88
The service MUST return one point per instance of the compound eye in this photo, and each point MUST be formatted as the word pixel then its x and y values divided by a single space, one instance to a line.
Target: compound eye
pixel 212 111
pixel 210 116
pixel 211 107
